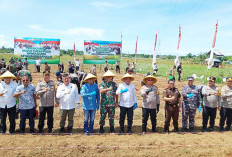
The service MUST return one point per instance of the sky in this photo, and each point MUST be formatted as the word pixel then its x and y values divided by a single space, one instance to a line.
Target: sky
pixel 78 20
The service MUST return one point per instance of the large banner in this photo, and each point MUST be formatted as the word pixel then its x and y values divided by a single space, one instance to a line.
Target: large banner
pixel 97 52
pixel 48 50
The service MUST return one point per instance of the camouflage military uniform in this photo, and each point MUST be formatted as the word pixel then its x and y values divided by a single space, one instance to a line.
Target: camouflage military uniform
pixel 108 102
pixel 189 105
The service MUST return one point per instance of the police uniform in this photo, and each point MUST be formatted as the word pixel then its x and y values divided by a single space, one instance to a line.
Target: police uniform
pixel 191 101
pixel 226 106
pixel 46 104
pixel 171 108
pixel 210 103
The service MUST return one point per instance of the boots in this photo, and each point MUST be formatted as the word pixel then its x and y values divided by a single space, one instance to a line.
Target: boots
pixel 121 130
pixel 112 129
pixel 62 130
pixel 101 129
pixel 69 129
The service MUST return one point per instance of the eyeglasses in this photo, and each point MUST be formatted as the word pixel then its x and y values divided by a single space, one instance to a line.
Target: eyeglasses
pixel 25 80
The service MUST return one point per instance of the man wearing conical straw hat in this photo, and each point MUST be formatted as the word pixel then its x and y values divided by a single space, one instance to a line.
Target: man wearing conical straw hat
pixel 91 98
pixel 128 102
pixel 7 101
pixel 108 96
pixel 151 102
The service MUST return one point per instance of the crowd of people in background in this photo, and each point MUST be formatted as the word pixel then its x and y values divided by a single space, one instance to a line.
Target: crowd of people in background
pixel 18 95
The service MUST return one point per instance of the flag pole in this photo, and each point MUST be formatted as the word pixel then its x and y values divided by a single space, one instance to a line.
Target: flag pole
pixel 136 48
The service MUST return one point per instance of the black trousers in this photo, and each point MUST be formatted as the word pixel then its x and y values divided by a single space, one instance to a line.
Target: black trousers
pixel 225 115
pixel 11 114
pixel 123 112
pixel 43 110
pixel 146 113
pixel 77 68
pixel 179 76
pixel 38 68
pixel 105 69
pixel 126 70
pixel 117 69
pixel 207 113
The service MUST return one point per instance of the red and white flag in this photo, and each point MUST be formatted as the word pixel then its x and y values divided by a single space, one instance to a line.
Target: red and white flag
pixel 215 35
pixel 179 38
pixel 210 59
pixel 154 55
pixel 136 45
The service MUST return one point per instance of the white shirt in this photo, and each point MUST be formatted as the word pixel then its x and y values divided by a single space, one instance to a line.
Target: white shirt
pixel 127 99
pixel 67 95
pixel 37 62
pixel 7 99
pixel 77 63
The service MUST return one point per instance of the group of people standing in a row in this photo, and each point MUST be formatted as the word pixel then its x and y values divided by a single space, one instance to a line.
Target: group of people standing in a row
pixel 108 96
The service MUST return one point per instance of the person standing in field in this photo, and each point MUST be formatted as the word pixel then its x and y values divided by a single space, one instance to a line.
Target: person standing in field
pixel 173 102
pixel 91 98
pixel 128 102
pixel 106 66
pixel 25 64
pixel 109 100
pixel 68 95
pixel 127 66
pixel 37 63
pixel 7 101
pixel 172 73
pixel 78 63
pixel 191 101
pixel 46 90
pixel 117 67
pixel 179 71
pixel 226 105
pixel 151 102
pixel 47 67
pixel 211 100
pixel 155 69
pixel 134 68
pixel 26 94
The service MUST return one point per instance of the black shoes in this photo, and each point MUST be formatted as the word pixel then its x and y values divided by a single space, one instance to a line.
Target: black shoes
pixel 101 130
pixel 112 129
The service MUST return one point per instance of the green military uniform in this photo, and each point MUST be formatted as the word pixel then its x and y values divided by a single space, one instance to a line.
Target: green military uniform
pixel 108 102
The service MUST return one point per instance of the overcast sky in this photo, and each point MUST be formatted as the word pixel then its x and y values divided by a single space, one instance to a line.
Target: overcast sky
pixel 76 21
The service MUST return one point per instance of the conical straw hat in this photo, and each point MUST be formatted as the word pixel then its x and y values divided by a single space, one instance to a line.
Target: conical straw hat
pixel 128 76
pixel 7 74
pixel 89 76
pixel 109 74
pixel 149 76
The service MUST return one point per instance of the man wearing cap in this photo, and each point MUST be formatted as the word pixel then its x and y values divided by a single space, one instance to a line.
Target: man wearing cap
pixel 191 101
pixel 151 102
pixel 91 98
pixel 7 101
pixel 128 102
pixel 46 91
pixel 226 105
pixel 68 95
pixel 108 96
pixel 27 103
pixel 211 100
pixel 172 98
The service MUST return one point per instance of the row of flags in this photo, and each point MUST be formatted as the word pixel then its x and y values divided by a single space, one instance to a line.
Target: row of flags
pixel 177 60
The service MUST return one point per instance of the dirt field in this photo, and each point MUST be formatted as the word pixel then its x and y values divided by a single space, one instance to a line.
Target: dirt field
pixel 157 144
